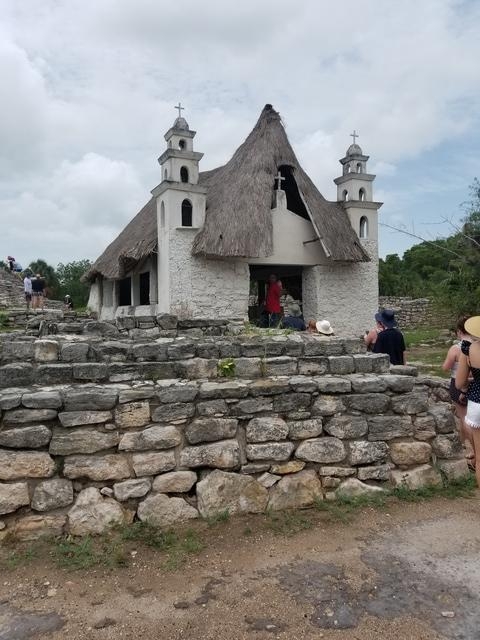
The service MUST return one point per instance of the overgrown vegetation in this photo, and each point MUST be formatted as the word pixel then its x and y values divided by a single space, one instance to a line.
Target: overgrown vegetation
pixel 3 320
pixel 226 368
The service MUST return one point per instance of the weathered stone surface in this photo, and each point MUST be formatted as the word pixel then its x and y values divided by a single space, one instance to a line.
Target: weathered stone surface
pixel 267 480
pixel 224 455
pixel 303 384
pixel 90 398
pixel 113 351
pixel 292 466
pixel 323 450
pixel 291 402
pixel 410 403
pixel 211 429
pixel 277 451
pixel 266 429
pixel 352 487
pixel 173 412
pixel 25 464
pixel 13 496
pixel 255 467
pixel 362 452
pixel 330 483
pixel 327 406
pixel 247 367
pixel 53 373
pixel 32 437
pixel 346 426
pixel 17 351
pixel 16 374
pixel 162 511
pixel 237 493
pixel 408 453
pixel 368 384
pixel 212 408
pixel 94 514
pixel 150 351
pixel 424 427
pixel 98 468
pixel 443 416
pixel 37 526
pixel 80 440
pixel 10 399
pixel 90 371
pixel 138 393
pixel 132 414
pixel 252 405
pixel 282 366
pixel 175 482
pixel 312 366
pixel 82 418
pixel 46 350
pixel 303 429
pixel 230 389
pixel 52 494
pixel 322 346
pixel 42 400
pixel 296 491
pixel 446 446
pixel 269 386
pixel 337 472
pixel 380 362
pixel 368 402
pixel 378 472
pixel 177 393
pixel 74 352
pixel 156 437
pixel 341 364
pixel 97 328
pixel 404 370
pixel 25 416
pixel 196 368
pixel 417 478
pixel 149 464
pixel 181 349
pixel 388 427
pixel 128 489
pixel 331 384
pixel 454 469
pixel 399 384
pixel 167 321
pixel 363 363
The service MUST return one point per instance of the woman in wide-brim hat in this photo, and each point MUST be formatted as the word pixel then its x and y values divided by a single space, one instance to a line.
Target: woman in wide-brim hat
pixel 469 364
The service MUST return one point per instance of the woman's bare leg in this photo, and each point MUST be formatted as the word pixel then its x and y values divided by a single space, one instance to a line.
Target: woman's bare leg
pixel 476 447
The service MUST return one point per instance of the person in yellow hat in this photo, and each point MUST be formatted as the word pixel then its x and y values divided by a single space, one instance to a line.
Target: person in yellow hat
pixel 469 365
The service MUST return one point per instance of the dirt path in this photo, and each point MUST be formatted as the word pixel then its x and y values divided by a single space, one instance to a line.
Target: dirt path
pixel 385 574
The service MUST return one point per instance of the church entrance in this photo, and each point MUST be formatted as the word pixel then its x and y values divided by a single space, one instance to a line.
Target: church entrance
pixel 291 277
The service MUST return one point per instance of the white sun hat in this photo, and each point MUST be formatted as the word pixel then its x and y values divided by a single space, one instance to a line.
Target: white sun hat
pixel 324 326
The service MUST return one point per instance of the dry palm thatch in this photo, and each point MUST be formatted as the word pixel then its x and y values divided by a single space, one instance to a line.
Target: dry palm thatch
pixel 239 198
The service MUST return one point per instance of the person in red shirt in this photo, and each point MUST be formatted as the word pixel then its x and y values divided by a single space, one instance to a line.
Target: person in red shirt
pixel 272 301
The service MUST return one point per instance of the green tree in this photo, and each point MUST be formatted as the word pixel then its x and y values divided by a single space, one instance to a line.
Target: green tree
pixel 49 274
pixel 69 277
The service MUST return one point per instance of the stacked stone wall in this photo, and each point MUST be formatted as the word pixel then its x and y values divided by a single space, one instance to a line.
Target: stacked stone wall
pixel 153 431
pixel 417 312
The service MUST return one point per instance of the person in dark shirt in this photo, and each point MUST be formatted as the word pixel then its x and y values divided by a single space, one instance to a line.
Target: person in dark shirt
pixel 294 319
pixel 390 340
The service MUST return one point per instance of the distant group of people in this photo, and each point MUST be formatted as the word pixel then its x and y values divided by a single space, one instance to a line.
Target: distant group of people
pixel 34 288
pixel 12 264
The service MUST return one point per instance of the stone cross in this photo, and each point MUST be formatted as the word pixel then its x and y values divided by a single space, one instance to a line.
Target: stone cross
pixel 354 135
pixel 180 109
pixel 279 177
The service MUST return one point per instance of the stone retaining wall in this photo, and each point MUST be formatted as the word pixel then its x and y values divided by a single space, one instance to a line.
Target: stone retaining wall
pixel 416 312
pixel 79 458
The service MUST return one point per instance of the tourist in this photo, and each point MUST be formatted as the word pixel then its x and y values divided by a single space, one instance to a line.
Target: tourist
pixel 293 318
pixel 390 340
pixel 469 365
pixel 460 403
pixel 27 287
pixel 324 327
pixel 370 337
pixel 38 291
pixel 11 263
pixel 273 307
pixel 67 301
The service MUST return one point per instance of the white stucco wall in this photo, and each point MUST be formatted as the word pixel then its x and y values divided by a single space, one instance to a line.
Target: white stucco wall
pixel 95 296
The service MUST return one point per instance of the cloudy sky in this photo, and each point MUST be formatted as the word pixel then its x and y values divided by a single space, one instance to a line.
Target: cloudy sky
pixel 88 88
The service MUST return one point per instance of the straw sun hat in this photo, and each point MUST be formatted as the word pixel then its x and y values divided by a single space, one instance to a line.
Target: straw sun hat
pixel 472 326
pixel 324 326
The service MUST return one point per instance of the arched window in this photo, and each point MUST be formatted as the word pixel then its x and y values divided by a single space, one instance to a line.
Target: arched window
pixel 162 215
pixel 165 174
pixel 183 174
pixel 347 168
pixel 361 195
pixel 363 227
pixel 359 167
pixel 187 213
pixel 345 195
pixel 181 144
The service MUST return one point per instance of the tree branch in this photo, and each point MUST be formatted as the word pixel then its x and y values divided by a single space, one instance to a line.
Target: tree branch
pixel 414 235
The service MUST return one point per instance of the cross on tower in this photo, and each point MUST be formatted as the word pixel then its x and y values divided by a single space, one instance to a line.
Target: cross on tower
pixel 180 109
pixel 354 135
pixel 279 177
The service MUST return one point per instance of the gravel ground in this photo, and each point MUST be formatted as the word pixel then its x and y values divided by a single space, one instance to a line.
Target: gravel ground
pixel 410 572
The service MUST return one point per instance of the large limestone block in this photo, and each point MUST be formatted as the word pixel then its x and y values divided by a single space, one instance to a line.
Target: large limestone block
pixel 252 405
pixel 352 488
pixel 137 393
pixel 408 453
pixel 222 455
pixel 443 416
pixel 303 429
pixel 276 451
pixel 156 437
pixel 211 429
pixel 230 389
pixel 162 511
pixel 377 472
pixel 182 392
pixel 399 384
pixel 232 492
pixel 37 526
pixel 303 384
pixel 446 446
pixel 295 491
pixel 332 384
pixel 362 452
pixel 173 412
pixel 212 408
pixel 288 402
pixel 149 464
pixel 75 352
pixel 282 468
pixel 32 437
pixel 369 402
pixel 10 399
pixel 128 489
pixel 25 416
pixel 132 414
pixel 98 468
pixel 82 418
pixel 327 406
pixel 90 398
pixel 16 374
pixel 66 442
pixel 266 429
pixel 93 514
pixel 324 450
pixel 368 384
pixel 90 371
pixel 336 472
pixel 410 403
pixel 52 494
pixel 424 427
pixel 389 427
pixel 46 350
pixel 345 427
pixel 422 476
pixel 25 464
pixel 454 469
pixel 269 387
pixel 13 496
pixel 42 400
pixel 175 482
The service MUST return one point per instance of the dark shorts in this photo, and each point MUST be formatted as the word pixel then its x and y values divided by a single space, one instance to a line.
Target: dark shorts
pixel 455 394
pixel 37 294
pixel 28 296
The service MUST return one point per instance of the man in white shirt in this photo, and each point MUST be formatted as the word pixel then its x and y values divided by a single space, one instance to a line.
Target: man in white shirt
pixel 27 287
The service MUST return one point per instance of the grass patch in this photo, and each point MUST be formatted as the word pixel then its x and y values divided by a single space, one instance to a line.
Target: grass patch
pixel 418 336
pixel 429 360
pixel 287 523
pixel 344 507
pixel 218 518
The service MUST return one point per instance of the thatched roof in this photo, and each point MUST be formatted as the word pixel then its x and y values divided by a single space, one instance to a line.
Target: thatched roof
pixel 239 199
